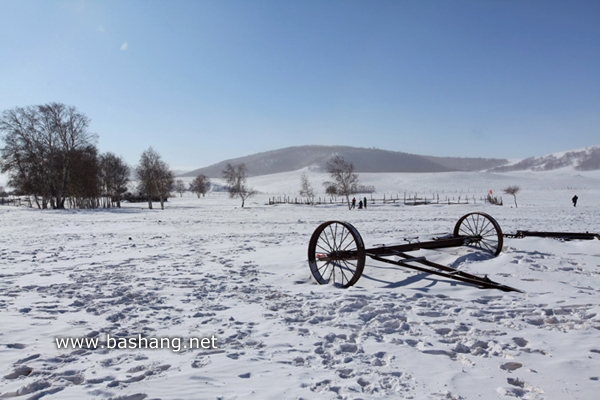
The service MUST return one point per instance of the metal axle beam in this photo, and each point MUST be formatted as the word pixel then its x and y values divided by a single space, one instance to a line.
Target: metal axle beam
pixel 445 271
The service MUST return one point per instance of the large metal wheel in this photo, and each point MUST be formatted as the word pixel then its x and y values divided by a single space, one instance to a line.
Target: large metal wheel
pixel 336 254
pixel 484 231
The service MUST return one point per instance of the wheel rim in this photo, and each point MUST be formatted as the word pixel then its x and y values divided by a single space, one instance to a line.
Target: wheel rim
pixel 336 254
pixel 484 227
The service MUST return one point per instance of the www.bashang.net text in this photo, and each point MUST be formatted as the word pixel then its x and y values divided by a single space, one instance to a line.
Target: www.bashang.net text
pixel 175 344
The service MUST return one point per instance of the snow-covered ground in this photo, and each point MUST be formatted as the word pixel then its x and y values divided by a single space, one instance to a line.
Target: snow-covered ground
pixel 207 268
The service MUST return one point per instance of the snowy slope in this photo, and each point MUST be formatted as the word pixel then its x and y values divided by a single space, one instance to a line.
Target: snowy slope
pixel 586 159
pixel 363 159
pixel 206 267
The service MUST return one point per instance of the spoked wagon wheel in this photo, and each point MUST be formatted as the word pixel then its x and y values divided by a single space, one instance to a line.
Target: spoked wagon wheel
pixel 485 230
pixel 336 254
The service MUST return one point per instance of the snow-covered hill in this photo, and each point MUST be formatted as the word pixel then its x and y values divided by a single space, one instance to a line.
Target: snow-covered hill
pixel 363 159
pixel 587 159
pixel 382 161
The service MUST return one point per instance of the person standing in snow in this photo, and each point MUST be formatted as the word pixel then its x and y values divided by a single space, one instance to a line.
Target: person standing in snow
pixel 365 202
pixel 353 202
pixel 574 200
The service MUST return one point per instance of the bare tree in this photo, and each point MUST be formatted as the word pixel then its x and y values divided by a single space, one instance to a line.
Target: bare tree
pixel 236 176
pixel 345 181
pixel 331 191
pixel 306 189
pixel 165 182
pixel 114 177
pixel 41 143
pixel 513 190
pixel 155 177
pixel 84 184
pixel 200 185
pixel 179 187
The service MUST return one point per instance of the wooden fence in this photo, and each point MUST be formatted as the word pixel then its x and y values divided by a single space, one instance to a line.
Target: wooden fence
pixel 408 200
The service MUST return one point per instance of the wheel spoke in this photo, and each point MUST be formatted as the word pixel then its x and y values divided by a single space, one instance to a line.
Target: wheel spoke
pixel 323 248
pixel 350 242
pixel 325 238
pixel 326 267
pixel 468 227
pixel 489 232
pixel 490 248
pixel 344 275
pixel 333 238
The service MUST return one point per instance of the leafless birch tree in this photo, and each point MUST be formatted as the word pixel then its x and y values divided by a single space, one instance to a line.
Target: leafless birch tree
pixel 179 187
pixel 236 176
pixel 306 189
pixel 155 177
pixel 345 181
pixel 513 190
pixel 114 176
pixel 200 185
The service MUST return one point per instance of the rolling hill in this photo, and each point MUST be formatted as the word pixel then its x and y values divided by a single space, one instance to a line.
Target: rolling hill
pixel 587 159
pixel 364 160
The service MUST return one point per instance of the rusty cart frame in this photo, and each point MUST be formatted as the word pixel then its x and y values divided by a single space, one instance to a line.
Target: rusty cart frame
pixel 554 235
pixel 337 254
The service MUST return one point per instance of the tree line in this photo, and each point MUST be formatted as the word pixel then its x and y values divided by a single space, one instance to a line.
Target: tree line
pixel 51 157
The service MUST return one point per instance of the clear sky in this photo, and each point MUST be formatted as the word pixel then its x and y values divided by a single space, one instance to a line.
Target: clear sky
pixel 203 81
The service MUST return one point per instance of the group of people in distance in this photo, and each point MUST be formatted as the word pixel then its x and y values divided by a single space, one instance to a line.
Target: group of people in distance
pixel 361 204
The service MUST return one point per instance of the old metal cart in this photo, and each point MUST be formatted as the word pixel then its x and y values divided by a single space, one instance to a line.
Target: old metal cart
pixel 337 254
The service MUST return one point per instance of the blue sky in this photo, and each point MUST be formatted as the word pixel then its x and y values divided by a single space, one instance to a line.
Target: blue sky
pixel 205 81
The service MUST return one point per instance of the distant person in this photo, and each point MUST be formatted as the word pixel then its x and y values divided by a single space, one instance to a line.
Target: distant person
pixel 574 200
pixel 360 205
pixel 353 202
pixel 365 202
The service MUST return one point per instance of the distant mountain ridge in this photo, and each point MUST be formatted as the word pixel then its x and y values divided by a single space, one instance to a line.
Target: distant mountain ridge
pixel 587 159
pixel 364 160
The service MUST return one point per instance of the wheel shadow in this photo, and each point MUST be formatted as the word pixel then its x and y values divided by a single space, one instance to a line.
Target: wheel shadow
pixel 429 280
pixel 473 256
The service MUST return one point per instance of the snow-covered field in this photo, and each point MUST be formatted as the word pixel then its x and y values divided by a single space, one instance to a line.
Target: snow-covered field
pixel 206 268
